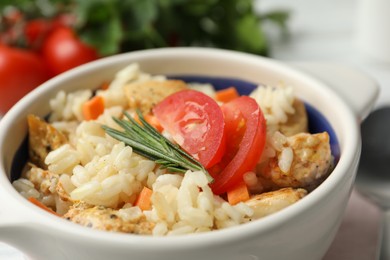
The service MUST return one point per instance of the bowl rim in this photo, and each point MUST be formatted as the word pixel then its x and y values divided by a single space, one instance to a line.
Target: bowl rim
pixel 349 156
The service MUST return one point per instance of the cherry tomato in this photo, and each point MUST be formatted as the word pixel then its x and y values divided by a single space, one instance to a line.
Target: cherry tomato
pixel 63 50
pixel 195 122
pixel 20 72
pixel 36 32
pixel 245 139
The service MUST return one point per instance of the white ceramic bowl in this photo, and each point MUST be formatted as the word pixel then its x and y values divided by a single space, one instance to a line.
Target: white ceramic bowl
pixel 302 231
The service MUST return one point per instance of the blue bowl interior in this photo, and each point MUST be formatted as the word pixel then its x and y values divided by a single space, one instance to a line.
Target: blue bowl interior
pixel 317 122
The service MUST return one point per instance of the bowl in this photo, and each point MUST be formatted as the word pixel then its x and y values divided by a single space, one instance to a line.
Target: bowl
pixel 303 230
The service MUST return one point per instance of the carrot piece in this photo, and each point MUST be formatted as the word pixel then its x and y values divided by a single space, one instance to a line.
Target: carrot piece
pixel 41 205
pixel 136 118
pixel 143 200
pixel 227 94
pixel 238 193
pixel 153 121
pixel 93 108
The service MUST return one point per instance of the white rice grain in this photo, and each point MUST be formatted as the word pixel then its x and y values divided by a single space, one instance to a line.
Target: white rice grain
pixel 275 102
pixel 172 179
pixel 160 229
pixel 26 188
pixel 62 160
pixel 285 159
pixel 130 214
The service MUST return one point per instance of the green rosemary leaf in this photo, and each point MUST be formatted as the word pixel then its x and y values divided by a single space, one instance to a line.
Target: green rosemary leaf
pixel 150 150
pixel 147 126
pixel 167 143
pixel 148 142
pixel 174 169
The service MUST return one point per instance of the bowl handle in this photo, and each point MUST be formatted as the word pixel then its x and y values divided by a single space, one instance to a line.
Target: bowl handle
pixel 13 220
pixel 10 214
pixel 359 90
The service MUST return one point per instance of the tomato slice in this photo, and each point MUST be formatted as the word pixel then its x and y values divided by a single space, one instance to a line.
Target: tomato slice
pixel 196 123
pixel 245 129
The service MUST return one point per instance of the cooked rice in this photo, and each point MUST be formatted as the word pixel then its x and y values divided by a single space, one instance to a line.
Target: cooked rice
pixel 67 107
pixel 26 188
pixel 112 179
pixel 275 102
pixel 285 159
pixel 186 204
pixel 99 170
pixel 62 160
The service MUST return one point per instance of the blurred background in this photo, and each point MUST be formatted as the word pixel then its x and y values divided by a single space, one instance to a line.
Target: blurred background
pixel 43 38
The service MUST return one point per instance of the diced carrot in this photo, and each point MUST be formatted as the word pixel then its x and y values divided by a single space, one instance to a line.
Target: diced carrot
pixel 41 205
pixel 227 94
pixel 93 108
pixel 238 193
pixel 136 118
pixel 153 121
pixel 144 199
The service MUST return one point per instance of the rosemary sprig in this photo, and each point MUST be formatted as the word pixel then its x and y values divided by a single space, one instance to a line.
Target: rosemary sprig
pixel 148 142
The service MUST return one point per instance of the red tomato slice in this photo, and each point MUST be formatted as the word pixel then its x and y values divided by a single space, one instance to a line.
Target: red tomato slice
pixel 245 138
pixel 196 123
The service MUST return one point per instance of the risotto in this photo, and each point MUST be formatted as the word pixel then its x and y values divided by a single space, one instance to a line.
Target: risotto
pixel 222 160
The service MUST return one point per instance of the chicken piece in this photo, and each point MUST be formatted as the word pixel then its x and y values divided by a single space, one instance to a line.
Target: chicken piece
pixel 102 218
pixel 308 165
pixel 145 95
pixel 297 122
pixel 61 192
pixel 44 181
pixel 50 187
pixel 269 202
pixel 43 138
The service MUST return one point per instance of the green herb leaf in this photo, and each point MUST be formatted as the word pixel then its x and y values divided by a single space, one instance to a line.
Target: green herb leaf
pixel 148 142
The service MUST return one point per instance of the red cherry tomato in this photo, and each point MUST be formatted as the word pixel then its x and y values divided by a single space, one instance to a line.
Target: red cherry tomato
pixel 245 139
pixel 36 32
pixel 63 50
pixel 20 72
pixel 196 123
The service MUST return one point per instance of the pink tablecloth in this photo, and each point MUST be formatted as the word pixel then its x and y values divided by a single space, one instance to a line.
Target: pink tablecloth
pixel 358 235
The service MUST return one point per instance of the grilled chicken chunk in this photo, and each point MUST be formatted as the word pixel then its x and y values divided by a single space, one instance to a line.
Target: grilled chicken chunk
pixel 44 181
pixel 310 164
pixel 102 218
pixel 42 139
pixel 145 95
pixel 269 202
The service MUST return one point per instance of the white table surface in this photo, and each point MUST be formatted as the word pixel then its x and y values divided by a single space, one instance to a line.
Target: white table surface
pixel 324 30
